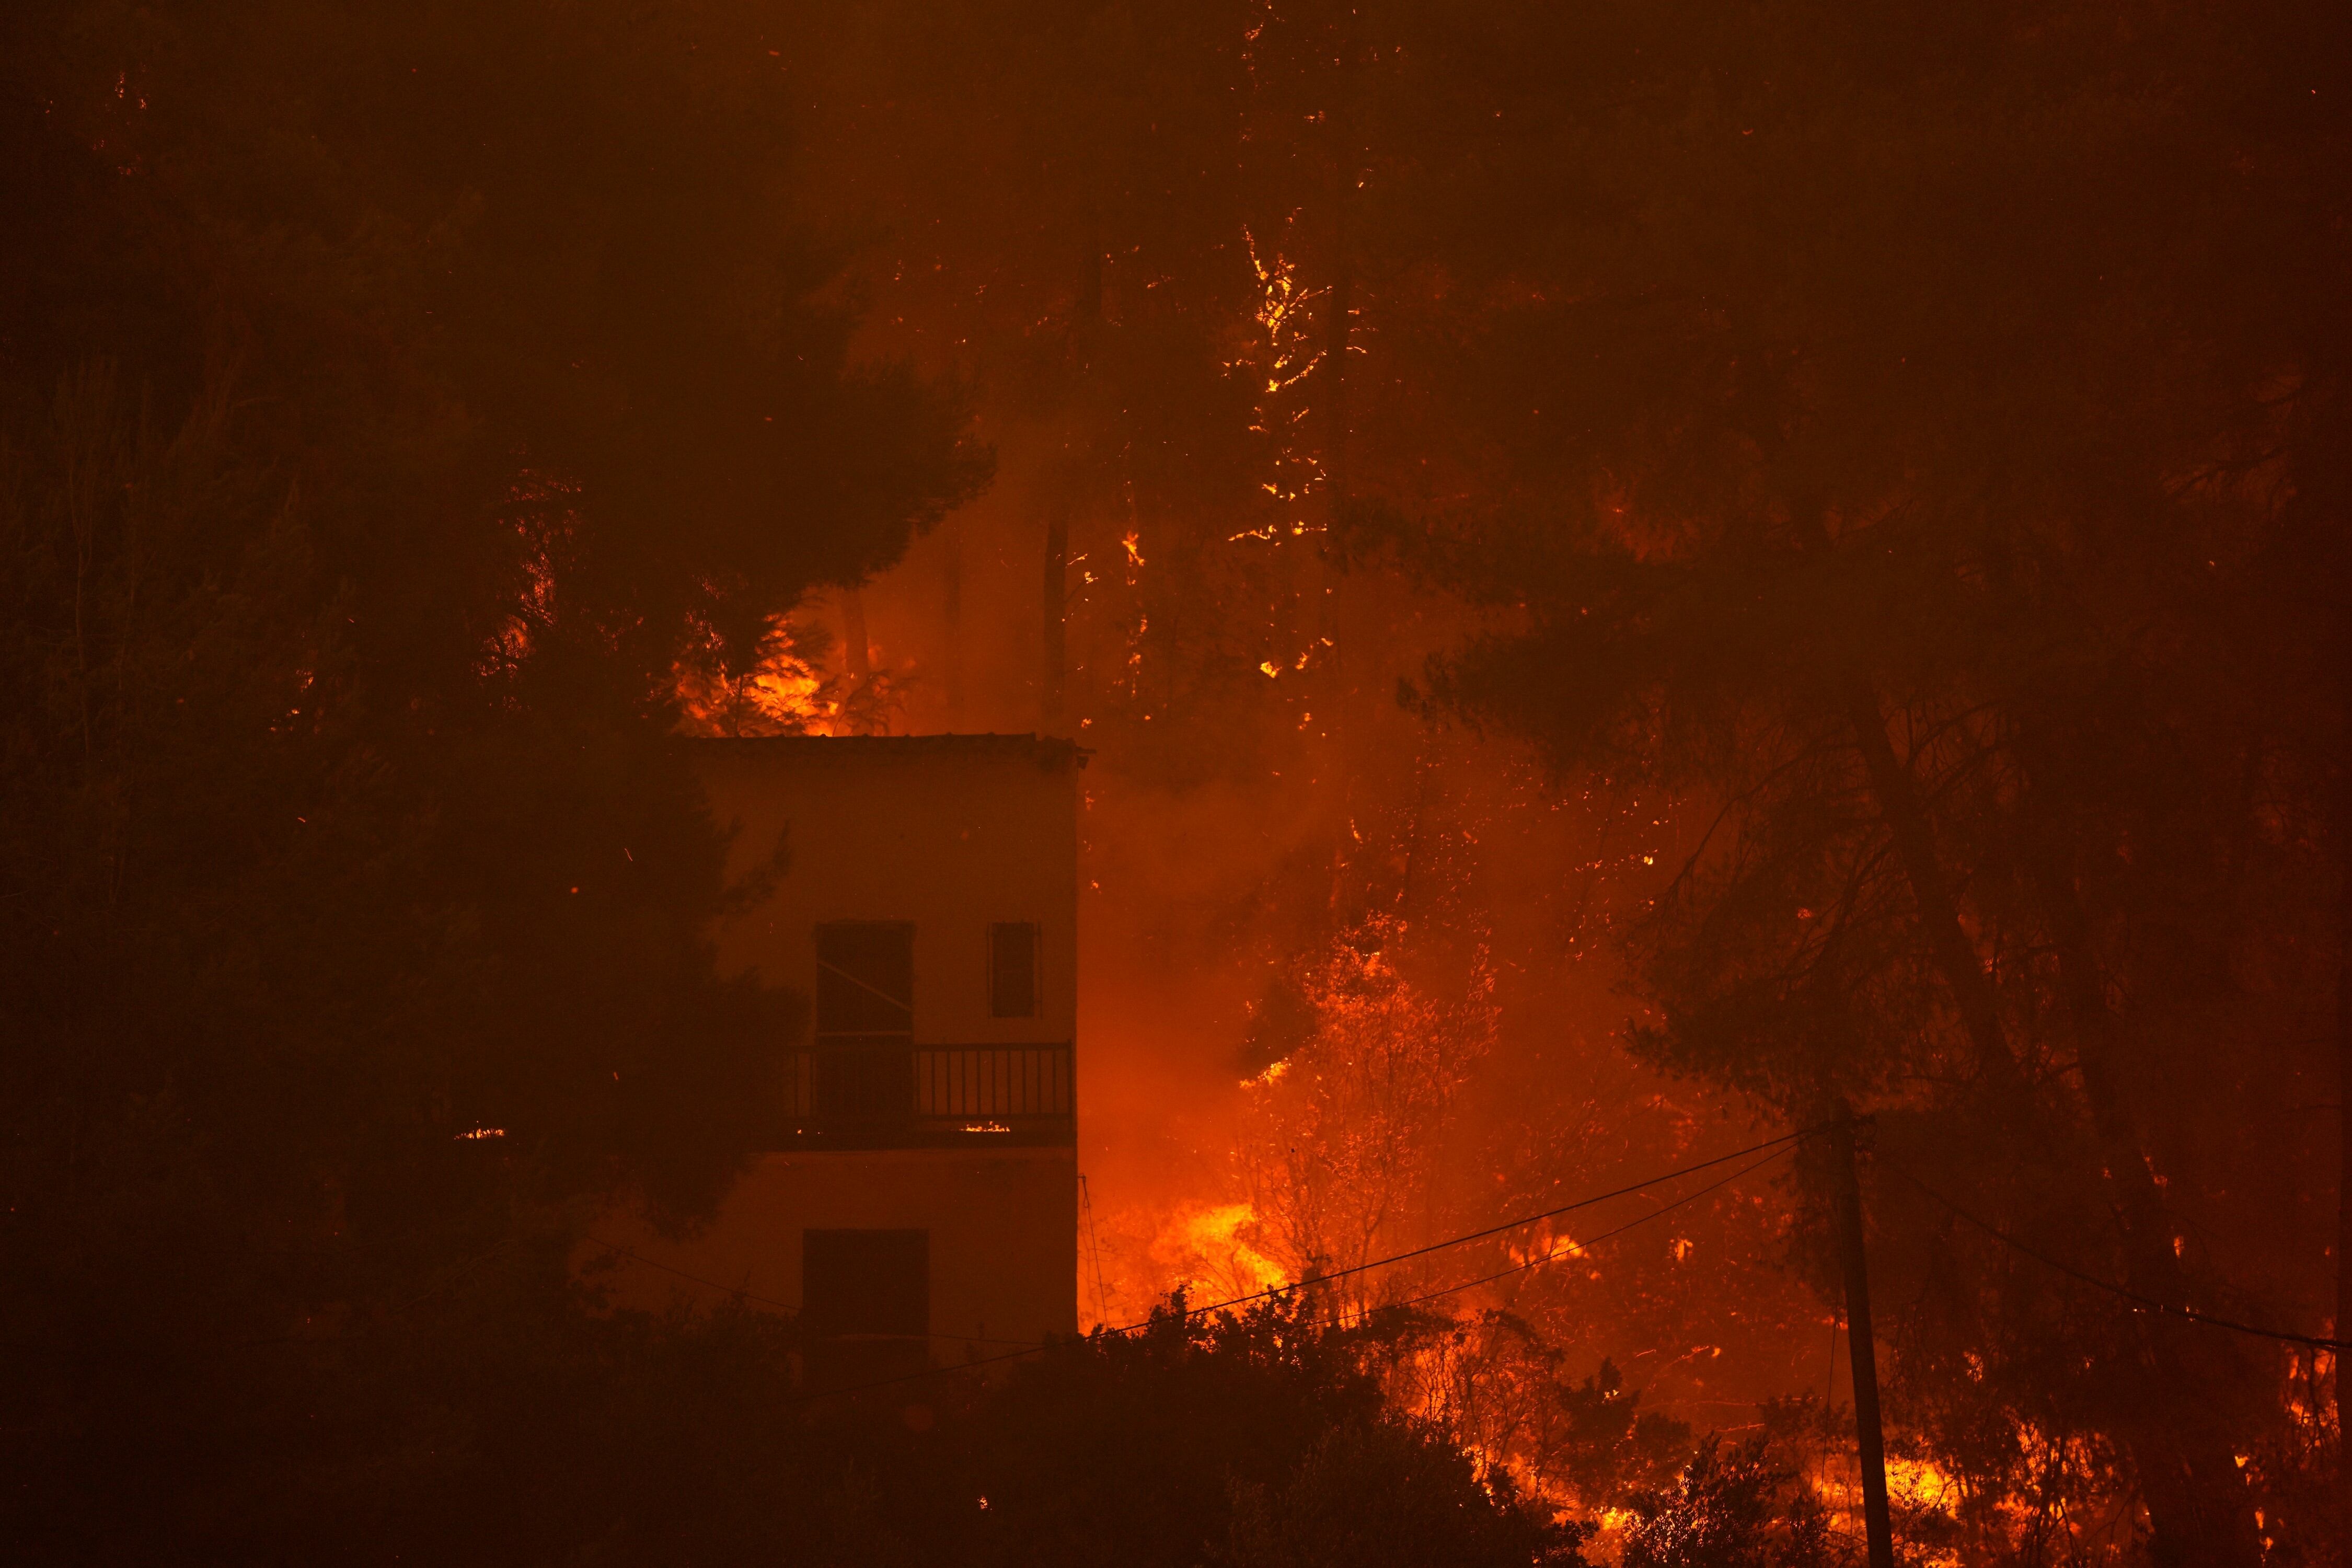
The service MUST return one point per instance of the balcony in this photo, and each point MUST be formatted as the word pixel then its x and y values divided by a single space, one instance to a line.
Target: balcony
pixel 876 1097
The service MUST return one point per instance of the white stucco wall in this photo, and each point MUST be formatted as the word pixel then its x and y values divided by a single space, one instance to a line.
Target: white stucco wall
pixel 1003 1238
pixel 949 832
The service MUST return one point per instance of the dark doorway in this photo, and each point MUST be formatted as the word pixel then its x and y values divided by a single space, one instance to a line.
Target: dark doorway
pixel 865 1024
pixel 866 1308
pixel 865 984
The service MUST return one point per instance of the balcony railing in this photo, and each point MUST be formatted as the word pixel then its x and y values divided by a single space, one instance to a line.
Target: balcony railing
pixel 931 1094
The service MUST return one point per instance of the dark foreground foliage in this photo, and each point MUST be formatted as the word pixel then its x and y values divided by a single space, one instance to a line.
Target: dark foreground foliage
pixel 571 1437
pixel 375 437
pixel 1261 1440
pixel 1919 443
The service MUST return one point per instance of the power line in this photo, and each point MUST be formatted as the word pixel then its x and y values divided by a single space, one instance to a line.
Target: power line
pixel 2150 1303
pixel 1576 1248
pixel 1771 1143
pixel 1512 1224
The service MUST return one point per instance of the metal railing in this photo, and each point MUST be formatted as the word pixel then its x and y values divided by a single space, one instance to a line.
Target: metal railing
pixel 998 1081
pixel 930 1088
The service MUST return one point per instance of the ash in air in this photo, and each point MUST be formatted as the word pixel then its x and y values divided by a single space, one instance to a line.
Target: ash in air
pixel 1281 783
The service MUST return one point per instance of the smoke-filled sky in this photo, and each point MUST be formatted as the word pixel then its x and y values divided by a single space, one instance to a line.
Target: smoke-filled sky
pixel 1316 333
pixel 1263 805
pixel 1637 577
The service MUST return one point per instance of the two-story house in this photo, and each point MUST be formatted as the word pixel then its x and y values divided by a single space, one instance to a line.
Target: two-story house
pixel 920 1203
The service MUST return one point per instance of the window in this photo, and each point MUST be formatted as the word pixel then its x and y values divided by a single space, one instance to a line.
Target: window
pixel 1012 971
pixel 865 984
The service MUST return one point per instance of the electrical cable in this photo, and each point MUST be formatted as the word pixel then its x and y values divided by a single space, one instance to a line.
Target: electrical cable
pixel 1574 1249
pixel 2150 1303
pixel 1509 1224
pixel 1771 1143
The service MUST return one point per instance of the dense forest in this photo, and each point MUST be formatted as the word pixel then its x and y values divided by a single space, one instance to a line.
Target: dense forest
pixel 1635 574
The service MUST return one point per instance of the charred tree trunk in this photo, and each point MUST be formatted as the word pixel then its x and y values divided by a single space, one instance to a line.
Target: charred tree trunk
pixel 1347 162
pixel 1938 912
pixel 1079 479
pixel 2196 1497
pixel 1310 578
pixel 2342 1328
pixel 952 614
pixel 1091 309
pixel 857 654
pixel 1053 674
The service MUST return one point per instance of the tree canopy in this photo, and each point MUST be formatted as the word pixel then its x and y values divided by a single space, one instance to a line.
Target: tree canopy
pixel 387 405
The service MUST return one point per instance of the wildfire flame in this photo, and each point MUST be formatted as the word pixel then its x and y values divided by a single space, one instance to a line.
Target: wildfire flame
pixel 1215 1246
pixel 788 691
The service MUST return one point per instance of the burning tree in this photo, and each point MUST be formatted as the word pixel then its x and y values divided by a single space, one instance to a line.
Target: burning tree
pixel 1343 1131
pixel 1921 546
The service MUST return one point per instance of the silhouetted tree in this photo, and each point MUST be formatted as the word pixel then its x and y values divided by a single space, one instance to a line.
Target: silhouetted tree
pixel 1884 461
pixel 387 403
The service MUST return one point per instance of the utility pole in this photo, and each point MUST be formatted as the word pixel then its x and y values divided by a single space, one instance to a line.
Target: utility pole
pixel 2342 1327
pixel 1862 1353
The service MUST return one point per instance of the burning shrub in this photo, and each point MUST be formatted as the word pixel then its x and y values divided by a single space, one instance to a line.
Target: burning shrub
pixel 1342 1132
